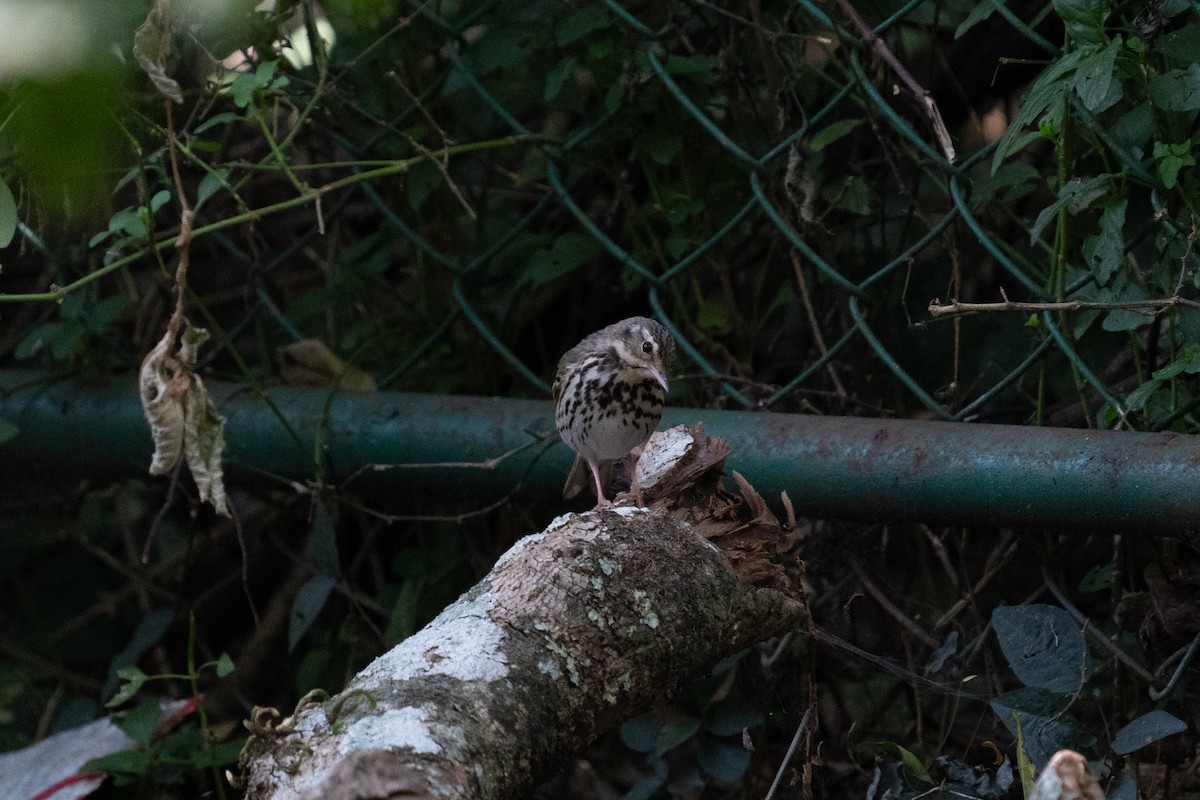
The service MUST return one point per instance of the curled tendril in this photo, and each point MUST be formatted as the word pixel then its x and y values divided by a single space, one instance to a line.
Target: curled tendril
pixel 339 705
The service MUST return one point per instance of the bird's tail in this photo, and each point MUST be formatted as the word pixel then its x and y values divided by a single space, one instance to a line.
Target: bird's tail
pixel 580 478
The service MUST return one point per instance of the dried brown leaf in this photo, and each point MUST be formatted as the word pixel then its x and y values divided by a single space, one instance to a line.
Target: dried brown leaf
pixel 183 420
pixel 310 363
pixel 152 48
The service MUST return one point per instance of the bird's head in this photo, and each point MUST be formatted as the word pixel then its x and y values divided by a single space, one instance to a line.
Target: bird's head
pixel 644 345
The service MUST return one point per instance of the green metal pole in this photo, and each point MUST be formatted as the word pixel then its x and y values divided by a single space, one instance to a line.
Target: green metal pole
pixel 843 467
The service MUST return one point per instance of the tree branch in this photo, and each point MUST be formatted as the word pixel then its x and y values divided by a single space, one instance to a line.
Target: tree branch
pixel 955 308
pixel 928 106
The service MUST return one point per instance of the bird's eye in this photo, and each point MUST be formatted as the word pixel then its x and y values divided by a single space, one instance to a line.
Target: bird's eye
pixel 647 347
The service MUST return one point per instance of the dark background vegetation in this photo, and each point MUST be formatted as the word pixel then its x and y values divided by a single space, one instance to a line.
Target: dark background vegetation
pixel 744 171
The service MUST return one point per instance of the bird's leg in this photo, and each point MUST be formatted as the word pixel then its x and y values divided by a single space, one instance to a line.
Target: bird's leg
pixel 631 462
pixel 601 500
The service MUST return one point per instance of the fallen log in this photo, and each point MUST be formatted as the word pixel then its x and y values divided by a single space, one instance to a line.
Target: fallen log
pixel 574 630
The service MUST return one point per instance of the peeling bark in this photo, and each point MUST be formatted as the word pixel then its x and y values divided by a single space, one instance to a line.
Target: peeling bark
pixel 574 630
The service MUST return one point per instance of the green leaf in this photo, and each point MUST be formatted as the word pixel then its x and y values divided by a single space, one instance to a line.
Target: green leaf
pixel 1084 19
pixel 1145 730
pixel 587 19
pixel 225 666
pixel 714 317
pixel 223 118
pixel 1050 87
pixel 217 754
pixel 979 12
pixel 1179 46
pixel 134 680
pixel 831 133
pixel 1136 400
pixel 1075 196
pixel 149 632
pixel 402 622
pixel 1105 251
pixel 725 761
pixel 1008 183
pixel 1133 129
pixel 731 716
pixel 1083 321
pixel 851 194
pixel 159 199
pixel 62 338
pixel 565 255
pixel 242 89
pixel 306 606
pixel 121 765
pixel 104 312
pixel 914 771
pixel 99 237
pixel 679 207
pixel 1043 645
pixel 1171 8
pixel 1171 158
pixel 640 734
pixel 1097 579
pixel 648 786
pixel 7 431
pixel 1187 361
pixel 210 183
pixel 677 729
pixel 129 221
pixel 140 722
pixel 1025 767
pixel 1047 727
pixel 1093 81
pixel 8 214
pixel 1126 319
pixel 662 144
pixel 557 78
pixel 1177 89
pixel 498 50
pixel 247 83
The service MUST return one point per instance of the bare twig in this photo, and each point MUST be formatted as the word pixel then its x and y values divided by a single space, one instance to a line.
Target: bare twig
pixel 954 308
pixel 175 323
pixel 923 95
pixel 811 313
pixel 442 163
pixel 801 730
pixel 891 608
pixel 984 580
pixel 956 689
pixel 56 293
pixel 1188 653
pixel 943 557
pixel 1089 629
pixel 184 240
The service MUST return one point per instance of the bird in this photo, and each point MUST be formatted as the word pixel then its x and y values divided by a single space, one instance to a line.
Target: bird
pixel 609 392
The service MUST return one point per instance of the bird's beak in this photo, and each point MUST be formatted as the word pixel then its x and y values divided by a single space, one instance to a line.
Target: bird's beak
pixel 658 376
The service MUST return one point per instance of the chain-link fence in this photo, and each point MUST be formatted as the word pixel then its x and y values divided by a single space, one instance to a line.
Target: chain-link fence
pixel 769 181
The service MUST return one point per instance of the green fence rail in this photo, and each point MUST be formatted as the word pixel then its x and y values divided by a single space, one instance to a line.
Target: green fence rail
pixel 491 448
pixel 759 180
